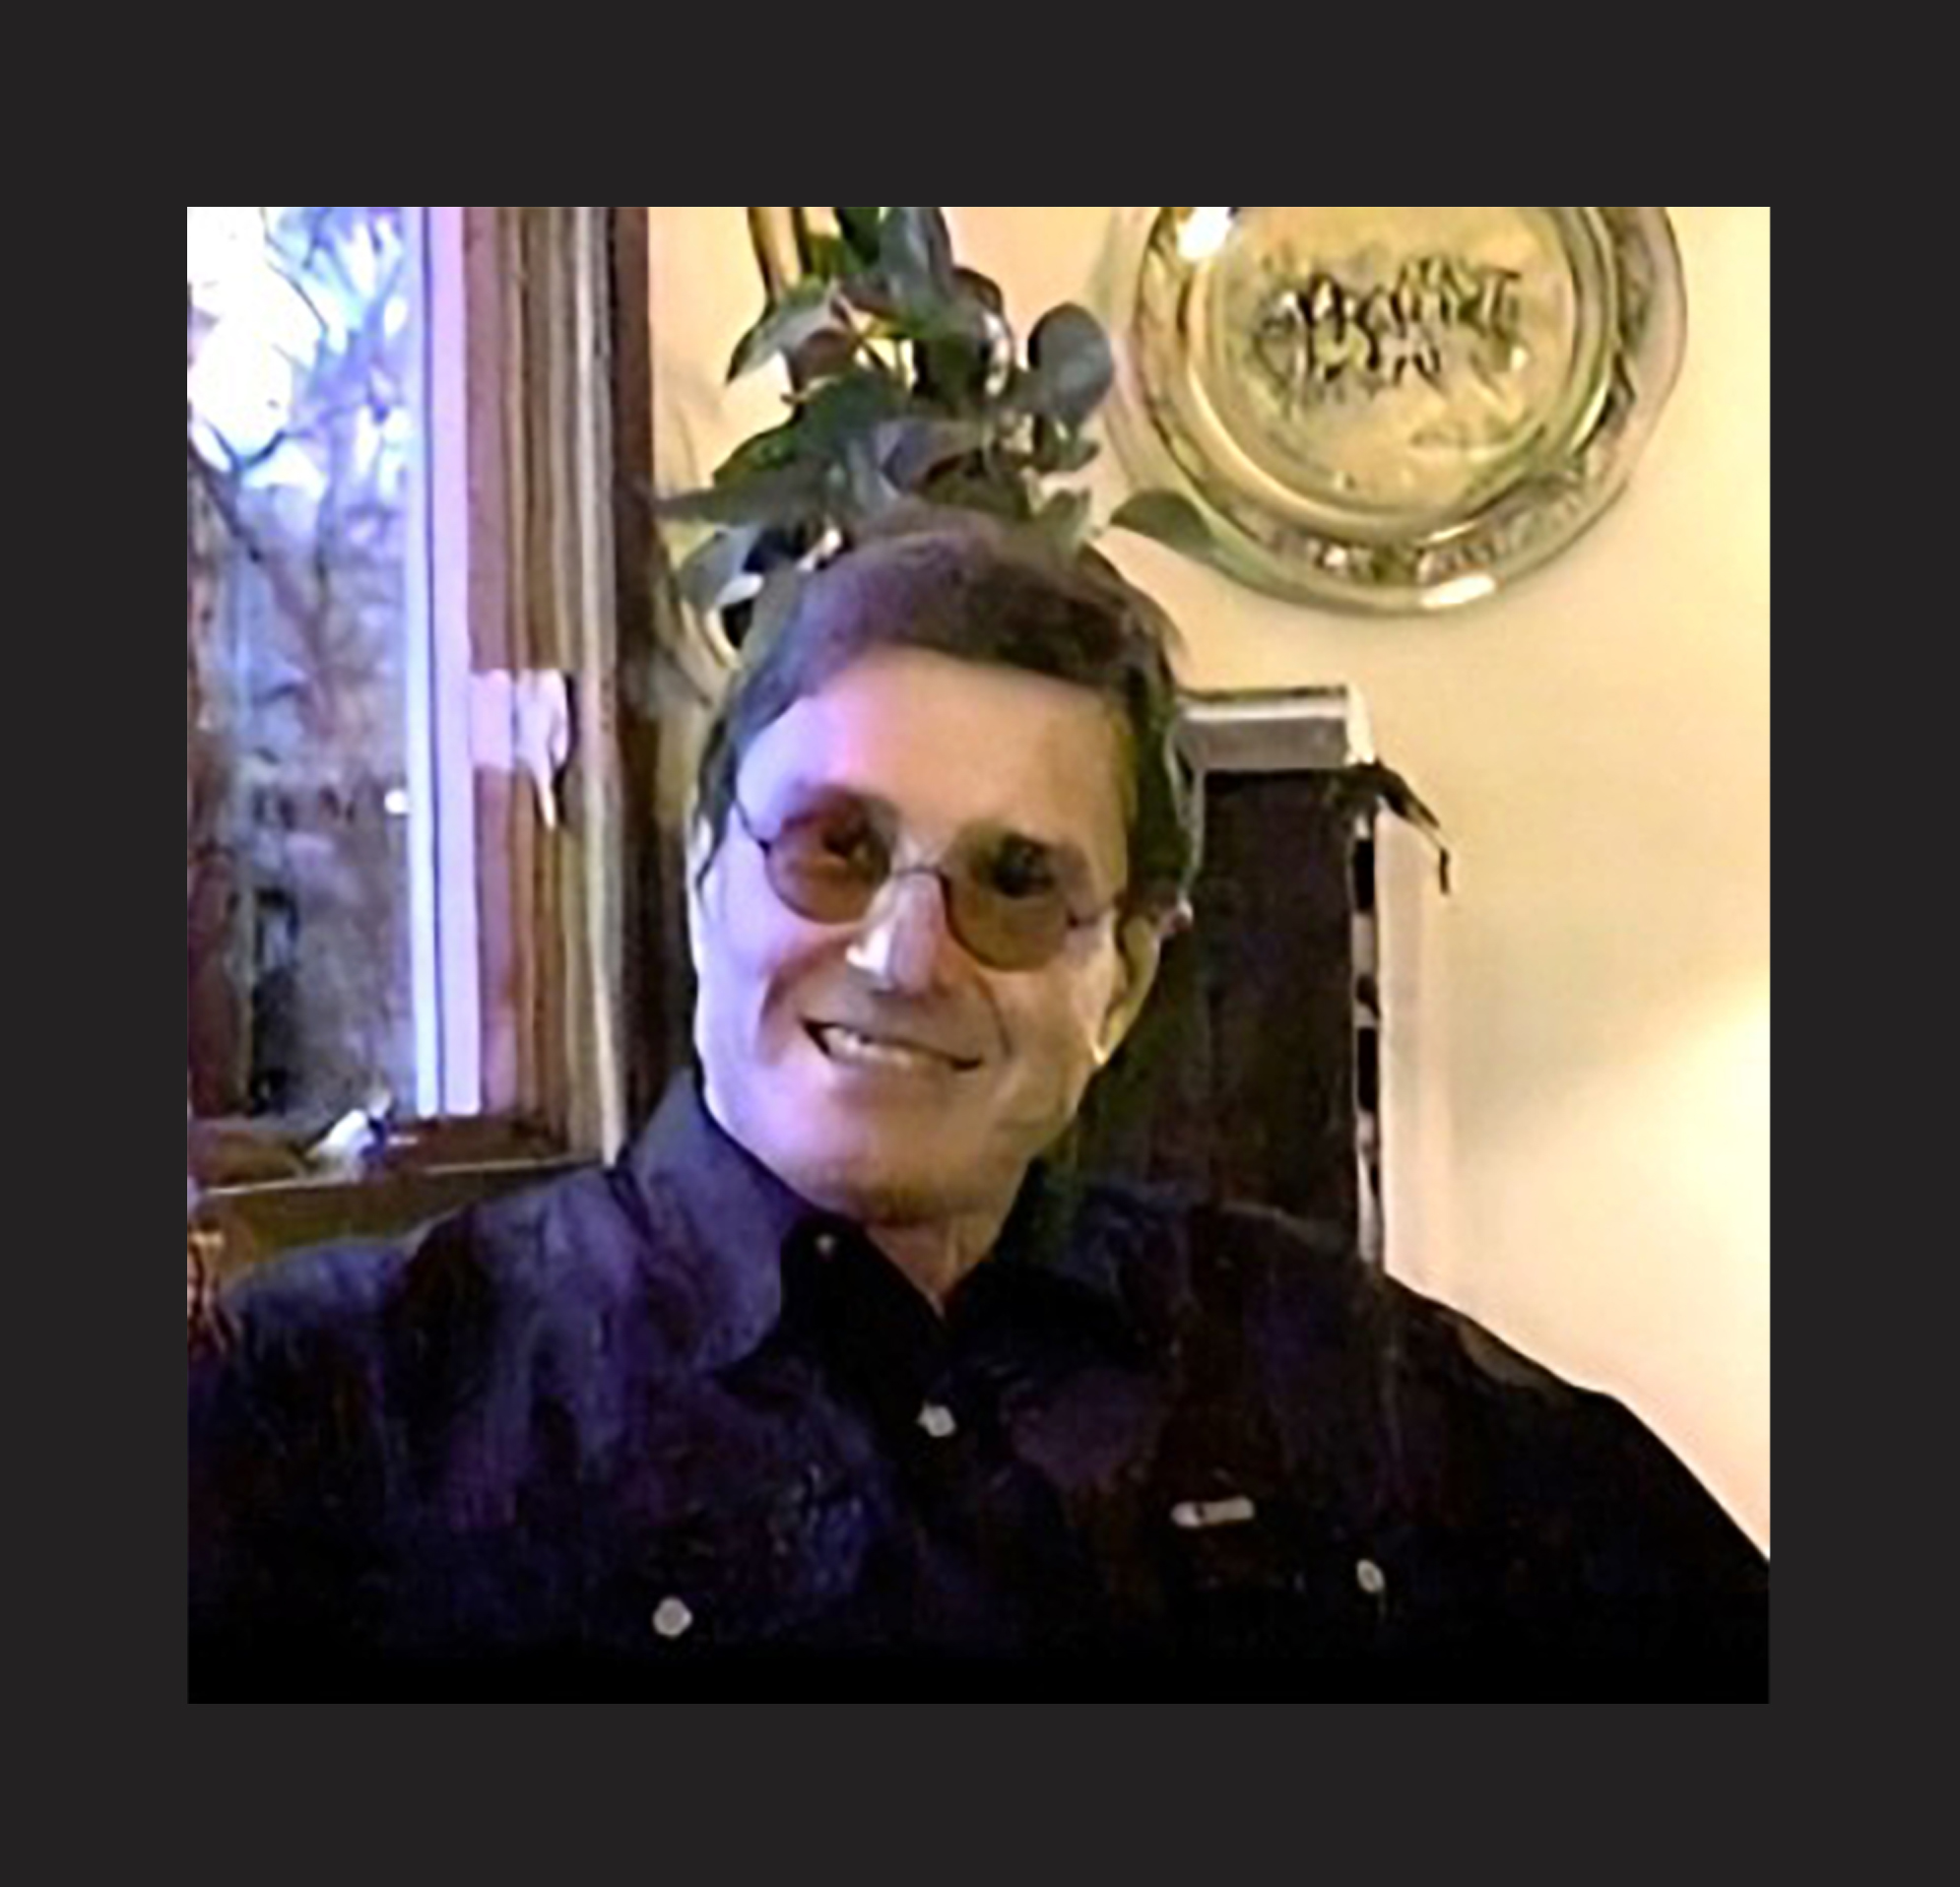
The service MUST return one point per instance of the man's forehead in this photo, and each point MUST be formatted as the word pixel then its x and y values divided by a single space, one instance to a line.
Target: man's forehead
pixel 953 742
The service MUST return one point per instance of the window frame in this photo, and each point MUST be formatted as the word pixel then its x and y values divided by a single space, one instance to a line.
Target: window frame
pixel 538 379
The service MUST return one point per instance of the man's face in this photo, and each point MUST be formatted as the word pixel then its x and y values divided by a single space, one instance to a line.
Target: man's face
pixel 878 1068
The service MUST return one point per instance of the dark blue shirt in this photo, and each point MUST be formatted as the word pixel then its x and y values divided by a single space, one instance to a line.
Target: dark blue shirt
pixel 666 1430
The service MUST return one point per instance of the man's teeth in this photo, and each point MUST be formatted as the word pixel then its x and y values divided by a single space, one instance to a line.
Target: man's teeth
pixel 847 1045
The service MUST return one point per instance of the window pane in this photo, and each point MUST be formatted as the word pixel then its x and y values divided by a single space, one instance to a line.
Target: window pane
pixel 305 449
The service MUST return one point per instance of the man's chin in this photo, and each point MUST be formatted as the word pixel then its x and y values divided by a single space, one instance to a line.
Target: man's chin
pixel 874 1189
pixel 870 1196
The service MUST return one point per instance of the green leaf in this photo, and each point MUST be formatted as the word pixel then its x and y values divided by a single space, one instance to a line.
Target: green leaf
pixel 793 495
pixel 1170 518
pixel 832 258
pixel 1001 496
pixel 824 356
pixel 962 320
pixel 774 608
pixel 911 450
pixel 915 249
pixel 859 487
pixel 860 225
pixel 853 405
pixel 707 575
pixel 1073 367
pixel 1369 786
pixel 983 289
pixel 769 451
pixel 808 309
pixel 1060 448
pixel 1066 518
pixel 950 371
pixel 870 291
pixel 918 241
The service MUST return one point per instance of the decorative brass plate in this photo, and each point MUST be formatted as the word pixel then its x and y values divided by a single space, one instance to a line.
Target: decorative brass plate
pixel 1398 409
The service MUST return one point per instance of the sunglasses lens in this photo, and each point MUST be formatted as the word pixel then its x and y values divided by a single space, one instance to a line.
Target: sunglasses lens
pixel 1007 908
pixel 1007 933
pixel 830 866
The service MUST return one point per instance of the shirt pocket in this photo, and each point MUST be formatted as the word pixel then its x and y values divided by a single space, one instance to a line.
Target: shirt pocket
pixel 1257 1571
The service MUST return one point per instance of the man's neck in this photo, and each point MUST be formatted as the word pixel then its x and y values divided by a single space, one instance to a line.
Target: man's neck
pixel 935 1255
pixel 937 1258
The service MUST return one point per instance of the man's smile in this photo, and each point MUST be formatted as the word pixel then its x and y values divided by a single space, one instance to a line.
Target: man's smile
pixel 885 1051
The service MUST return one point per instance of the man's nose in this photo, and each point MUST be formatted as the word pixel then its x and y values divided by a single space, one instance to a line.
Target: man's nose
pixel 907 941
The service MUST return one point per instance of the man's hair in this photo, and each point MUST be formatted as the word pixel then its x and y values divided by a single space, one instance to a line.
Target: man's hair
pixel 992 594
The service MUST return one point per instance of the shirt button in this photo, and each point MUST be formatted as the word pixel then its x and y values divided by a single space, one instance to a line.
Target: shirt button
pixel 938 1421
pixel 828 1245
pixel 675 1619
pixel 1372 1580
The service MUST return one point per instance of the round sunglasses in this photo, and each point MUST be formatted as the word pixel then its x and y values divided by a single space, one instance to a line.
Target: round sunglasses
pixel 1006 899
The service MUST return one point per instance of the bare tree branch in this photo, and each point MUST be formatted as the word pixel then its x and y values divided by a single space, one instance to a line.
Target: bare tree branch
pixel 289 596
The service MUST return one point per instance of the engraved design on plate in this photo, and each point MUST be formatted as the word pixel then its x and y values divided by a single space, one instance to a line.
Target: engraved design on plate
pixel 1380 404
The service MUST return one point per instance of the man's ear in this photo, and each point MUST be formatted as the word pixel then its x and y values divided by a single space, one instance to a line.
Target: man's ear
pixel 1139 950
pixel 700 854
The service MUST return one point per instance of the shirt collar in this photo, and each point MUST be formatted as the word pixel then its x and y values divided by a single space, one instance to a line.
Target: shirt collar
pixel 737 1219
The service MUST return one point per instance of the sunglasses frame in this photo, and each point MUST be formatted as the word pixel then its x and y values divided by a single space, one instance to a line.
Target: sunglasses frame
pixel 951 890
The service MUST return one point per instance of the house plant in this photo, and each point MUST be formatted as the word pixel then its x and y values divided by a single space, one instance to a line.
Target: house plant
pixel 910 390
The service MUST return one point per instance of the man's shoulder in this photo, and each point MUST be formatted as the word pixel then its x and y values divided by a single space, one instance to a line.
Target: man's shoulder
pixel 1336 1349
pixel 576 1247
pixel 1290 1269
pixel 1269 1272
pixel 1305 1284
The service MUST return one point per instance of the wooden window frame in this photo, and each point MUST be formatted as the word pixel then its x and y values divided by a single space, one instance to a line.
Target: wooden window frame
pixel 550 403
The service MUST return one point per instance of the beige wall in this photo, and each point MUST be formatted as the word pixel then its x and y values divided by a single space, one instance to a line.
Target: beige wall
pixel 1597 740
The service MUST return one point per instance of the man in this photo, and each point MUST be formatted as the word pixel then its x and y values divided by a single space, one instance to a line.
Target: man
pixel 839 1366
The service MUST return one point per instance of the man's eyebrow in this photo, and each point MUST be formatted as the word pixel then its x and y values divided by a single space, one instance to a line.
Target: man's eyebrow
pixel 1059 849
pixel 799 792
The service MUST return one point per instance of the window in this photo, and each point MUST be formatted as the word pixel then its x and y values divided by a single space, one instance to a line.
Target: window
pixel 417 865
pixel 311 780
